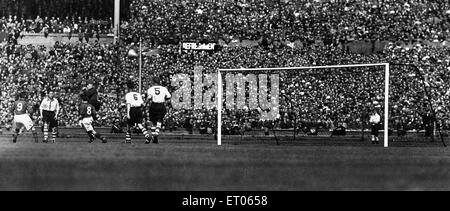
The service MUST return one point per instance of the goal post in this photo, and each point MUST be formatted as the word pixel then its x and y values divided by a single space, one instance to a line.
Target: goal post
pixel 222 72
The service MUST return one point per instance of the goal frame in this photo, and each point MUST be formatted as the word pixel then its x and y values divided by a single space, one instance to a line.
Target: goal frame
pixel 242 70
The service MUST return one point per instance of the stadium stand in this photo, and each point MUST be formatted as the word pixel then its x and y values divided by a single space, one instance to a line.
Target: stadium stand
pixel 250 34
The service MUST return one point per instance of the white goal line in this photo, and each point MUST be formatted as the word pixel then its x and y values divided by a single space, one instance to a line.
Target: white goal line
pixel 220 91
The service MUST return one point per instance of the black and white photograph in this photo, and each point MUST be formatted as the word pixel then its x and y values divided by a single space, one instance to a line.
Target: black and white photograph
pixel 224 95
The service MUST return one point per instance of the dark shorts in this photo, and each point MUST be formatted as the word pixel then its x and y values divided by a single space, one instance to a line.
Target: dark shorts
pixel 157 112
pixel 136 116
pixel 49 118
pixel 375 129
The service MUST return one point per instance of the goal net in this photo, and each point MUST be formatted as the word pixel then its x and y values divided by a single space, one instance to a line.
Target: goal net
pixel 304 101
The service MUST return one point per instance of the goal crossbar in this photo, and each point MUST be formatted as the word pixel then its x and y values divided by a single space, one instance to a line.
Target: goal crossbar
pixel 386 91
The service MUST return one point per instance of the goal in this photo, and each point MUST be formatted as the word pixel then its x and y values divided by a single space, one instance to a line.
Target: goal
pixel 309 93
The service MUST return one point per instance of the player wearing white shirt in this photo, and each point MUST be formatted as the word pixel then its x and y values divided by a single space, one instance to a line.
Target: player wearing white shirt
pixel 135 115
pixel 157 96
pixel 375 124
pixel 49 111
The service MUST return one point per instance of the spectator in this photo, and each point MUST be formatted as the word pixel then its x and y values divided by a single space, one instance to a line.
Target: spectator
pixel 313 100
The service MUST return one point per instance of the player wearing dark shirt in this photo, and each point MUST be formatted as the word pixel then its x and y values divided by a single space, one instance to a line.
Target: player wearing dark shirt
pixel 22 119
pixel 92 95
pixel 87 110
pixel 87 116
pixel 20 107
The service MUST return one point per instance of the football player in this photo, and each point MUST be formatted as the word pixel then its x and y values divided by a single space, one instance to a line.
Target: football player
pixel 158 96
pixel 21 111
pixel 375 125
pixel 135 117
pixel 87 116
pixel 49 111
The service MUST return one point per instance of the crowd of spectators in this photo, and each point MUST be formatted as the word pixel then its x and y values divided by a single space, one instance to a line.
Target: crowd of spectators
pixel 59 16
pixel 328 97
pixel 64 69
pixel 46 25
pixel 328 20
pixel 322 98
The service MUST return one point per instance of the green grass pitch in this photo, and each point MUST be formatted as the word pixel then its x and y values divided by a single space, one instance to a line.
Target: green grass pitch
pixel 238 165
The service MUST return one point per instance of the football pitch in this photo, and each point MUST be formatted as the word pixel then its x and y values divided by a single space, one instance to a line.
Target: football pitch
pixel 241 164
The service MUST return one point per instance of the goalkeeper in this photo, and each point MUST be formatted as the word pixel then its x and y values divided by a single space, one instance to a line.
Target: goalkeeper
pixel 375 125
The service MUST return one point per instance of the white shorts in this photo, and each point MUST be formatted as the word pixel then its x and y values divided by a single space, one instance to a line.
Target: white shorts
pixel 87 123
pixel 23 120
